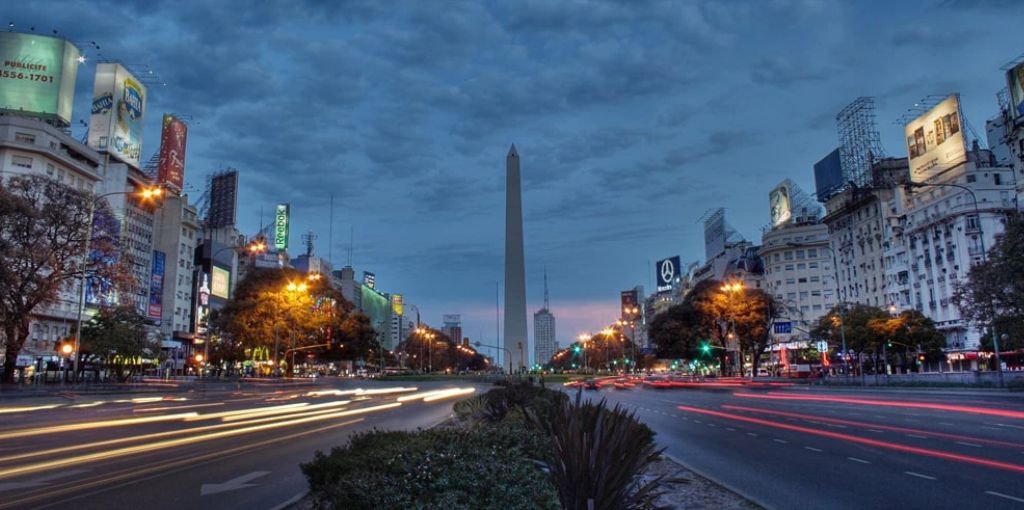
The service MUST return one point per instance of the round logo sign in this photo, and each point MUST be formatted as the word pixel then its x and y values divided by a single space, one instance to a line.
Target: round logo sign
pixel 668 271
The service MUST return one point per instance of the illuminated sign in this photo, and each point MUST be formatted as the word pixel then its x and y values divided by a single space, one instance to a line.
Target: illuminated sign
pixel 156 286
pixel 203 304
pixel 935 140
pixel 281 220
pixel 781 208
pixel 628 300
pixel 171 166
pixel 397 304
pixel 369 279
pixel 667 270
pixel 118 105
pixel 220 282
pixel 1015 85
pixel 37 75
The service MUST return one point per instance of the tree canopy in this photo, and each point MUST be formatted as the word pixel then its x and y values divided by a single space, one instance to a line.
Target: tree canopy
pixel 116 337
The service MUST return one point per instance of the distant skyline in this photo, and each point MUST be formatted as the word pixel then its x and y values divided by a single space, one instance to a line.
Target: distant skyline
pixel 631 118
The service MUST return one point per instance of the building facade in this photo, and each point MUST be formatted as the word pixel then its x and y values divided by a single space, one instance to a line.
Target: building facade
pixel 800 274
pixel 545 343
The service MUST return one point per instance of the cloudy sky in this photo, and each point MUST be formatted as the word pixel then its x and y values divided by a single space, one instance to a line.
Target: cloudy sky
pixel 632 119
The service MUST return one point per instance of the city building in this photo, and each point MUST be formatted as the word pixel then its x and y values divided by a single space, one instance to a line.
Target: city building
pixel 176 235
pixel 31 146
pixel 452 327
pixel 545 341
pixel 800 275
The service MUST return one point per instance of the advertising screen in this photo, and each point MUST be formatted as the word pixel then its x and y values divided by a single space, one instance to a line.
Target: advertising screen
pixel 397 304
pixel 118 105
pixel 935 140
pixel 38 75
pixel 106 231
pixel 667 270
pixel 828 176
pixel 220 282
pixel 1015 85
pixel 223 199
pixel 781 208
pixel 369 279
pixel 281 219
pixel 714 234
pixel 156 286
pixel 171 167
pixel 629 299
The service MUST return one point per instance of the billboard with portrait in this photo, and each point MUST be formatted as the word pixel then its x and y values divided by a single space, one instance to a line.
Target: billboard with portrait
pixel 935 140
pixel 118 106
pixel 397 304
pixel 369 280
pixel 1015 86
pixel 220 282
pixel 106 233
pixel 628 300
pixel 171 166
pixel 780 204
pixel 156 286
pixel 282 217
pixel 38 75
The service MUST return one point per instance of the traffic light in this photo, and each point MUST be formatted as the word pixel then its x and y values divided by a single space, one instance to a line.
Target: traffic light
pixel 576 349
pixel 705 348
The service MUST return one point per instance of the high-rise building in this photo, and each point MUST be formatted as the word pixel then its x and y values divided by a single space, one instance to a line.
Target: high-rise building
pixel 516 342
pixel 452 327
pixel 175 237
pixel 545 342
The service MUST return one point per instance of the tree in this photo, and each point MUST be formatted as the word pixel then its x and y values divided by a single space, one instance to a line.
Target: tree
pixel 675 332
pixel 116 337
pixel 993 292
pixel 44 227
pixel 910 331
pixel 281 309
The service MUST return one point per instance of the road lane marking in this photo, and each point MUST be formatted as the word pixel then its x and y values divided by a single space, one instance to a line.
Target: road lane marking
pixel 1007 496
pixel 990 428
pixel 782 441
pixel 916 436
pixel 862 461
pixel 697 421
pixel 1010 426
pixel 233 484
pixel 813 449
pixel 712 425
pixel 946 423
pixel 836 425
pixel 968 444
pixel 730 429
pixel 751 434
pixel 919 475
pixel 876 431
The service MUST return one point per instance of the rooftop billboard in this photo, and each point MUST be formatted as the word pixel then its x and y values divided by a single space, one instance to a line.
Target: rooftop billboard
pixel 38 75
pixel 828 176
pixel 171 166
pixel 780 203
pixel 282 217
pixel 935 140
pixel 667 271
pixel 1015 85
pixel 118 105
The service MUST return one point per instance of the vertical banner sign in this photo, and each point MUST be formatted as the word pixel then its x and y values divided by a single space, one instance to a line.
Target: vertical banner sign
pixel 203 304
pixel 220 282
pixel 37 75
pixel 171 167
pixel 156 286
pixel 935 141
pixel 397 304
pixel 667 270
pixel 118 104
pixel 106 231
pixel 281 220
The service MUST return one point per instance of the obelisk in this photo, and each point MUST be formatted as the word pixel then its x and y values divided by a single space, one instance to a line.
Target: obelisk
pixel 515 271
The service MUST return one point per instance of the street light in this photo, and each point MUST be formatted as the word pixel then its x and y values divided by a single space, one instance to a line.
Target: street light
pixel 730 289
pixel 292 288
pixel 146 194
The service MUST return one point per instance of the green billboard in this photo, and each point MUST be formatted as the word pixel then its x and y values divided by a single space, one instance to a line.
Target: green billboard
pixel 37 76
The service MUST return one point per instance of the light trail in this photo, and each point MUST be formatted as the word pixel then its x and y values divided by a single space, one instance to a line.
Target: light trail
pixel 888 403
pixel 451 393
pixel 867 425
pixel 1017 468
pixel 27 409
pixel 93 425
pixel 162 445
pixel 158 435
pixel 175 408
pixel 430 396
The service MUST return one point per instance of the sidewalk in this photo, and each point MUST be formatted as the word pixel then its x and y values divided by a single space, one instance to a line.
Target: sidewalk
pixel 145 386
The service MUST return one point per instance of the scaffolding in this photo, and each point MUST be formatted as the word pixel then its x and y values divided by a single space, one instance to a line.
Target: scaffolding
pixel 860 145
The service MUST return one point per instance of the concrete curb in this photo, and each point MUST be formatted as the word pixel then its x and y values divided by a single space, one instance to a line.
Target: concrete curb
pixel 729 487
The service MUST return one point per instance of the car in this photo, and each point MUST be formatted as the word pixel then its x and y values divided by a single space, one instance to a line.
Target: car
pixel 590 384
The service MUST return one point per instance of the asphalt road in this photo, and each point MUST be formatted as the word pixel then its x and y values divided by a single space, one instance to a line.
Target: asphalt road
pixel 809 448
pixel 219 449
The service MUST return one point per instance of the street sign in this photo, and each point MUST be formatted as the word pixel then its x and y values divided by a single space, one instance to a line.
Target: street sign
pixel 822 346
pixel 783 328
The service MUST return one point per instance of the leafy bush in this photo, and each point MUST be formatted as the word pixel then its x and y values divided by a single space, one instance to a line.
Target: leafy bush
pixel 484 467
pixel 511 402
pixel 596 454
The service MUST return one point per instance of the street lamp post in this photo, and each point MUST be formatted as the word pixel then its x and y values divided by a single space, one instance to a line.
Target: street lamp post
pixel 731 289
pixel 146 194
pixel 908 187
pixel 495 347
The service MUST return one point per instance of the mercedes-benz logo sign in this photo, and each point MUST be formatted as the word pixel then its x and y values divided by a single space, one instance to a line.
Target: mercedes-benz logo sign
pixel 668 271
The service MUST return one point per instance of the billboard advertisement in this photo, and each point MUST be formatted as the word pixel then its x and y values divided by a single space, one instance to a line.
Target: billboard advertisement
pixel 451 319
pixel 714 234
pixel 781 207
pixel 202 303
pixel 118 105
pixel 171 166
pixel 667 271
pixel 935 141
pixel 397 304
pixel 369 280
pixel 220 282
pixel 828 176
pixel 38 75
pixel 1015 85
pixel 156 286
pixel 106 231
pixel 282 217
pixel 629 299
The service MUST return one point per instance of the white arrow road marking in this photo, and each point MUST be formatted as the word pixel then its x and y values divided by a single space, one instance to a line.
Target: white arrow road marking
pixel 233 484
pixel 40 481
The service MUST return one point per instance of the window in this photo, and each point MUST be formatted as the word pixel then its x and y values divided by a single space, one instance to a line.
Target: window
pixel 816 293
pixel 777 257
pixel 812 265
pixel 997 179
pixel 29 139
pixel 788 255
pixel 972 222
pixel 50 170
pixel 816 308
pixel 801 266
pixel 791 295
pixel 790 281
pixel 21 161
pixel 789 267
pixel 803 295
pixel 815 278
pixel 799 254
pixel 802 280
pixel 971 178
pixel 812 252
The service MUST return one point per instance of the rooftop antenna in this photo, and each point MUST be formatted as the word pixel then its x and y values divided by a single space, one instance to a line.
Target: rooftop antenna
pixel 546 301
pixel 308 238
pixel 351 235
pixel 860 145
pixel 330 234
